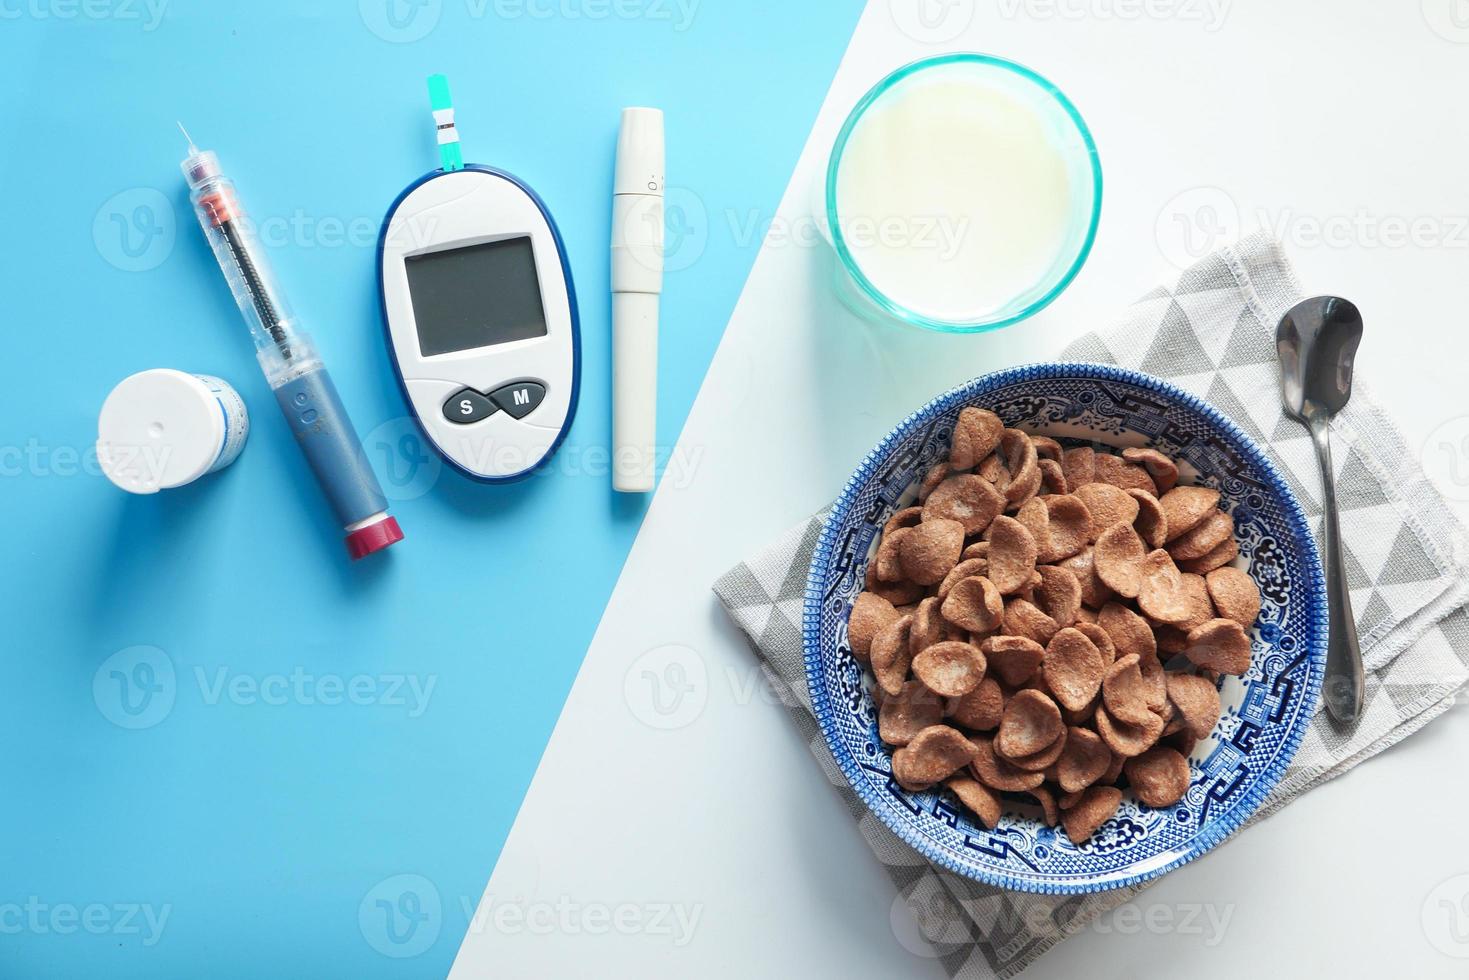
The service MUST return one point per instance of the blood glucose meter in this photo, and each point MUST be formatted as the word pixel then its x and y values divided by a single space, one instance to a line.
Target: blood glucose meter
pixel 480 313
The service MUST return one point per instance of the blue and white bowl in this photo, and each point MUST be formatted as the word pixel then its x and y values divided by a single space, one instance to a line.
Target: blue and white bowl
pixel 1266 711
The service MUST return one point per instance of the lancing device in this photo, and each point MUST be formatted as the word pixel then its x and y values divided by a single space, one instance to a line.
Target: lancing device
pixel 303 389
pixel 637 281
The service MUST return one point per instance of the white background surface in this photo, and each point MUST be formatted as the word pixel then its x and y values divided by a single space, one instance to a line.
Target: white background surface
pixel 1340 125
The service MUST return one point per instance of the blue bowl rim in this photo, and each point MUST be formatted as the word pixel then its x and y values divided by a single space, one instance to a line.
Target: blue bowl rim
pixel 1265 780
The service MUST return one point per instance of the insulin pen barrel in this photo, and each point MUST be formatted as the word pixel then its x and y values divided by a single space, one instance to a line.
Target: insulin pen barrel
pixel 302 387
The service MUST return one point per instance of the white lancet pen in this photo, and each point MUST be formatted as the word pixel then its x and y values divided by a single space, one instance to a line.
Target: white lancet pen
pixel 637 281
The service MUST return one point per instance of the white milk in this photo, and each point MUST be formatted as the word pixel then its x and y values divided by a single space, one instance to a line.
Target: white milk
pixel 953 194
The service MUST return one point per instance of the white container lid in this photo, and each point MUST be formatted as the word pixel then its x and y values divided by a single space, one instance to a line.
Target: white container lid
pixel 159 429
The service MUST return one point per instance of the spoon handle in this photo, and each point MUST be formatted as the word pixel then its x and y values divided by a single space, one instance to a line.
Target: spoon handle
pixel 1344 680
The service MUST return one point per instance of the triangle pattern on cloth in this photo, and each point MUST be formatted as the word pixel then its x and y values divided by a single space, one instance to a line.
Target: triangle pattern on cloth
pixel 746 599
pixel 793 610
pixel 1141 324
pixel 794 586
pixel 1247 343
pixel 1298 466
pixel 1371 536
pixel 1288 428
pixel 769 576
pixel 1404 696
pixel 1222 397
pixel 1206 275
pixel 1441 659
pixel 741 589
pixel 1356 487
pixel 1455 628
pixel 1374 614
pixel 779 633
pixel 1310 754
pixel 1091 349
pixel 757 619
pixel 1409 561
pixel 1257 387
pixel 1357 577
pixel 1407 599
pixel 1175 351
pixel 1333 739
pixel 1214 306
pixel 985 910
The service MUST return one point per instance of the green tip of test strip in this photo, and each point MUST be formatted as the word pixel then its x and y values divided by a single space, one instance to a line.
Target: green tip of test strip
pixel 438 98
pixel 438 92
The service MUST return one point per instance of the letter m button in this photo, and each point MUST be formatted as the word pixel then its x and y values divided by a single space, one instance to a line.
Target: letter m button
pixel 519 398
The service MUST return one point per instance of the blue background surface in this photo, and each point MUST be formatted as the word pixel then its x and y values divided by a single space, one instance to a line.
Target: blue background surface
pixel 170 743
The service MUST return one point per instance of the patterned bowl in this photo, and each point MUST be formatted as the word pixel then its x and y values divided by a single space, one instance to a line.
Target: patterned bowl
pixel 1265 712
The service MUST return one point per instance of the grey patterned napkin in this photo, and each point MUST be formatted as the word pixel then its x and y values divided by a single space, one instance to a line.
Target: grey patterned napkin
pixel 1213 334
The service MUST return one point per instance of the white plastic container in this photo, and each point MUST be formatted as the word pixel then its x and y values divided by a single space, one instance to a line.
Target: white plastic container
pixel 162 429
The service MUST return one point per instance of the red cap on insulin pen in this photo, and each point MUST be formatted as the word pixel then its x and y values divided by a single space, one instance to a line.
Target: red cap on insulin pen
pixel 381 533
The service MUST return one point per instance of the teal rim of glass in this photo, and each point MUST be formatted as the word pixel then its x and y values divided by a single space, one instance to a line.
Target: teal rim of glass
pixel 876 295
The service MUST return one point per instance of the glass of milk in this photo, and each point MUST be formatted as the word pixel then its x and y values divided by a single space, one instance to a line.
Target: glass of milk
pixel 962 194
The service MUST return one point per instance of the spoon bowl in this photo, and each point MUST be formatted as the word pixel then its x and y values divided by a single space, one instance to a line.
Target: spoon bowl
pixel 1317 343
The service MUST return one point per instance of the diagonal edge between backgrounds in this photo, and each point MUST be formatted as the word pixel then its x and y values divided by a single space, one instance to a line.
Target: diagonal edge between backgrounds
pixel 461 965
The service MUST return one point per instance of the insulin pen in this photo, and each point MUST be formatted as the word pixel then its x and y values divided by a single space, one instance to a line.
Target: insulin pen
pixel 302 387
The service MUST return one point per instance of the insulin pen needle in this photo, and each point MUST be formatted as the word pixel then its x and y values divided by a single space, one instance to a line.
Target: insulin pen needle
pixel 193 150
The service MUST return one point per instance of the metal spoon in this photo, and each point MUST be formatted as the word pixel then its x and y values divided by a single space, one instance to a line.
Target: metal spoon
pixel 1317 342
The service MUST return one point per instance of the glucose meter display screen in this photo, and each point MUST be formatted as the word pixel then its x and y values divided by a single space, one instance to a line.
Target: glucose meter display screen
pixel 476 296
